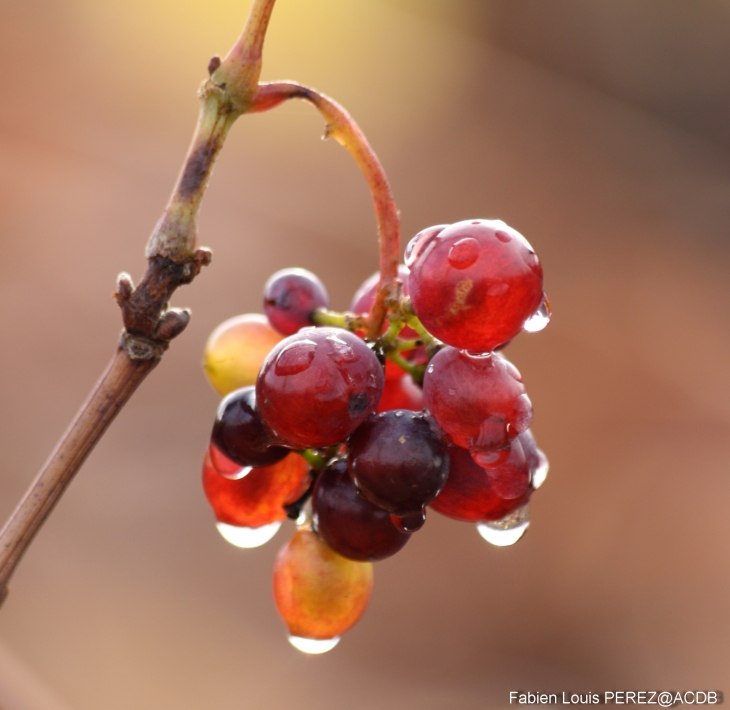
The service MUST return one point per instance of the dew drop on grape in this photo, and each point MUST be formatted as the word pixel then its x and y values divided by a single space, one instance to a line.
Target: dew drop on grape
pixel 313 646
pixel 295 358
pixel 409 523
pixel 539 474
pixel 464 253
pixel 506 532
pixel 248 537
pixel 540 318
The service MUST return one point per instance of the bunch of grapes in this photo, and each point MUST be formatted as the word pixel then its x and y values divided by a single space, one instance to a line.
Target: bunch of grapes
pixel 355 439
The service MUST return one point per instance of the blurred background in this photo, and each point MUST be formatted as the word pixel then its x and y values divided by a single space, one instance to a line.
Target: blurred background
pixel 599 130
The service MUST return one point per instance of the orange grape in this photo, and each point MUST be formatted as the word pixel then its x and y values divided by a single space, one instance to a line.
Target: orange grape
pixel 319 593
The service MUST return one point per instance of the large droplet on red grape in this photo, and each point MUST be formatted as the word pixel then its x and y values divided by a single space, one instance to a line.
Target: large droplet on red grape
pixel 348 523
pixel 398 461
pixel 479 401
pixel 317 386
pixel 290 298
pixel 241 435
pixel 258 498
pixel 470 495
pixel 475 283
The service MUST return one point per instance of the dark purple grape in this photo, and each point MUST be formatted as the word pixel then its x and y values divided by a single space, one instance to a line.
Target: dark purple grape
pixel 349 524
pixel 240 434
pixel 398 461
pixel 317 386
pixel 290 297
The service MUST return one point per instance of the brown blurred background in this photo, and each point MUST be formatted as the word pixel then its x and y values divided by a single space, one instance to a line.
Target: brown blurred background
pixel 601 130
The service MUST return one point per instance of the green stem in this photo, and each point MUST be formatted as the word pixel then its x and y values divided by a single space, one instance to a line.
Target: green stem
pixel 348 321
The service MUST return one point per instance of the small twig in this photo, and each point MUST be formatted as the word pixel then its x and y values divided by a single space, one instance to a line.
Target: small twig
pixel 341 126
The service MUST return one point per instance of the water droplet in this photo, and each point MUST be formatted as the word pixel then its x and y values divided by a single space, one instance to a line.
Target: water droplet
pixel 313 646
pixel 540 473
pixel 540 318
pixel 237 475
pixel 399 414
pixel 521 414
pixel 295 358
pixel 503 236
pixel 507 531
pixel 489 459
pixel 341 352
pixel 464 253
pixel 477 356
pixel 452 391
pixel 411 522
pixel 248 537
pixel 430 369
pixel 492 434
pixel 410 256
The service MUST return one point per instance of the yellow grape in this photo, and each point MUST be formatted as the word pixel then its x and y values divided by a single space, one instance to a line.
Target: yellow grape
pixel 235 351
pixel 319 593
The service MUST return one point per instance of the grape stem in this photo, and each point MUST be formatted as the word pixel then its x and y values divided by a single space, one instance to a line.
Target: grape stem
pixel 340 126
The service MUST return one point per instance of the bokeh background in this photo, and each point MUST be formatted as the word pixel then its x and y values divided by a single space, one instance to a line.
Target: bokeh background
pixel 601 130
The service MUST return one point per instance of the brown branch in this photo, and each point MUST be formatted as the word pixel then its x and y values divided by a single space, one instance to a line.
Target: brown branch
pixel 149 324
pixel 341 126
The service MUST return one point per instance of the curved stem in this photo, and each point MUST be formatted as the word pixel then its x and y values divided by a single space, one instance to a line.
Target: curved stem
pixel 341 126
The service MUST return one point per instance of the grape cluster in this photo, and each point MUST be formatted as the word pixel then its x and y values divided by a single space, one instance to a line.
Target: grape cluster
pixel 355 439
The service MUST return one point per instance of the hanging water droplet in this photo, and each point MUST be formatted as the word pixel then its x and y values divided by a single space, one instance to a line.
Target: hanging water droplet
pixel 507 531
pixel 248 537
pixel 295 358
pixel 313 646
pixel 411 522
pixel 237 475
pixel 540 473
pixel 540 318
pixel 464 253
pixel 490 459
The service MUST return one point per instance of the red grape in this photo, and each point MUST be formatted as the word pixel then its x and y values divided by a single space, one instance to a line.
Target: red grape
pixel 475 283
pixel 398 461
pixel 290 297
pixel 401 393
pixel 258 498
pixel 471 496
pixel 349 524
pixel 317 386
pixel 479 401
